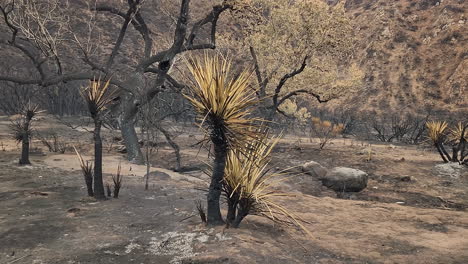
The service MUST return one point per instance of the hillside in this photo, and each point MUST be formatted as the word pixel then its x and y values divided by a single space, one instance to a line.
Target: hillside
pixel 414 53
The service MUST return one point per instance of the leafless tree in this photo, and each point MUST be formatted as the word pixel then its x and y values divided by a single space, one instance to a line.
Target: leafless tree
pixel 40 31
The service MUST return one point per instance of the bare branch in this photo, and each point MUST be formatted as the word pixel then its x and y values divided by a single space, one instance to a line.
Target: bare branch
pixel 285 78
pixel 302 91
pixel 138 23
pixel 179 44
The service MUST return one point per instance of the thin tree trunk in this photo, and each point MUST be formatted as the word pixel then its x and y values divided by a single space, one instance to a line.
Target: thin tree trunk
pixel 241 214
pixel 213 211
pixel 232 207
pixel 98 184
pixel 173 144
pixel 440 152
pixel 442 148
pixel 148 165
pixel 25 144
pixel 25 150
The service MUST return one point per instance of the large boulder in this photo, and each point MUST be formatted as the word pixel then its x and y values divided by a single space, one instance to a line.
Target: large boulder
pixel 341 179
pixel 314 169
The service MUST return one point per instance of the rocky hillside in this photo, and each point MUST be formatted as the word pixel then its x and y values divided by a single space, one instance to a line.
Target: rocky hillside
pixel 414 53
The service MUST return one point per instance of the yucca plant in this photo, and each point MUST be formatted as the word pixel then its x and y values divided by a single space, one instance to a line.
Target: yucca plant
pixel 22 130
pixel 249 184
pixel 224 102
pixel 117 180
pixel 98 96
pixel 457 137
pixel 87 170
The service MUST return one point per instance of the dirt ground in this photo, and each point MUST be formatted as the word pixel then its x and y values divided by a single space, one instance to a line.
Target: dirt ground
pixel 45 216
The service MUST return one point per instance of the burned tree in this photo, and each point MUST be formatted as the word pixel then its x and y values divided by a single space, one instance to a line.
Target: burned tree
pixel 22 130
pixel 41 31
pixel 98 96
pixel 223 102
pixel 456 137
pixel 311 58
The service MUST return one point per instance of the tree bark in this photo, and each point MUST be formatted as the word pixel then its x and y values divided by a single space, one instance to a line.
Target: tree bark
pixel 25 141
pixel 213 211
pixel 440 152
pixel 98 184
pixel 232 207
pixel 25 147
pixel 241 214
pixel 127 127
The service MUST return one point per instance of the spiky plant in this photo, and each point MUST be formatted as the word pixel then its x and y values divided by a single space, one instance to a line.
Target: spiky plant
pixel 249 184
pixel 98 96
pixel 459 132
pixel 436 130
pixel 459 136
pixel 117 180
pixel 87 170
pixel 22 130
pixel 437 134
pixel 223 101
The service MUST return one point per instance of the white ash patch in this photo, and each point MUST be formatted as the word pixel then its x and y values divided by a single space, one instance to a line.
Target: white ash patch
pixel 109 252
pixel 203 238
pixel 130 247
pixel 178 245
pixel 222 237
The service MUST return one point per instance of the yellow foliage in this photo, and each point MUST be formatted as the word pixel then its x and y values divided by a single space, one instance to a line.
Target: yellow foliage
pixel 436 130
pixel 326 124
pixel 456 133
pixel 283 32
pixel 290 108
pixel 222 99
pixel 98 95
pixel 248 176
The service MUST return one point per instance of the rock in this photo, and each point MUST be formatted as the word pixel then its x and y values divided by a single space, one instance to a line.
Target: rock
pixel 406 179
pixel 159 175
pixel 452 170
pixel 314 169
pixel 341 179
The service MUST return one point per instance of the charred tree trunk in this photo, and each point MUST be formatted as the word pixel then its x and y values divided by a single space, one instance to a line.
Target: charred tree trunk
pixel 442 149
pixel 127 126
pixel 89 184
pixel 25 149
pixel 98 183
pixel 241 214
pixel 440 152
pixel 24 160
pixel 232 207
pixel 220 152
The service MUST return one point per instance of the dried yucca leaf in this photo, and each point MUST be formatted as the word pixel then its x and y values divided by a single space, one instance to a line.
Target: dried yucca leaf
pixel 222 100
pixel 436 130
pixel 456 133
pixel 98 95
